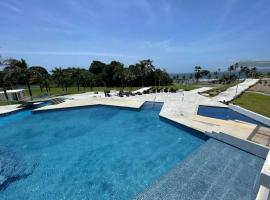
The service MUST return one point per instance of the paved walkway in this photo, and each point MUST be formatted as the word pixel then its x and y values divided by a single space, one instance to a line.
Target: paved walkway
pixel 9 108
pixel 141 90
pixel 234 91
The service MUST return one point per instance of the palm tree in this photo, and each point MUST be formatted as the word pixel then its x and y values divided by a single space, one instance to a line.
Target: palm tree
pixel 216 74
pixel 40 75
pixel 144 68
pixel 197 73
pixel 87 78
pixel 76 75
pixel 205 73
pixel 3 83
pixel 253 72
pixel 58 76
pixel 118 74
pixel 19 68
pixel 230 69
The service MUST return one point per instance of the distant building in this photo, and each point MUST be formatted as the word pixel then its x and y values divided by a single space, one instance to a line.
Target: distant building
pixel 13 95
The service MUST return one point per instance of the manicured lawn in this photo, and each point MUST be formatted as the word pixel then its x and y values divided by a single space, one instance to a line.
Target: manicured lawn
pixel 185 87
pixel 258 103
pixel 73 90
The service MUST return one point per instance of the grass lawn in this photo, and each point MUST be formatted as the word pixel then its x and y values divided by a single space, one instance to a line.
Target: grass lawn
pixel 73 90
pixel 258 103
pixel 185 87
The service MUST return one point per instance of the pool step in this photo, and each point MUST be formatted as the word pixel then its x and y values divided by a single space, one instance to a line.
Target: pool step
pixel 214 171
pixel 57 101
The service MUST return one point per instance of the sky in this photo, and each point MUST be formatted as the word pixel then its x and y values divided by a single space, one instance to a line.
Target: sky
pixel 176 34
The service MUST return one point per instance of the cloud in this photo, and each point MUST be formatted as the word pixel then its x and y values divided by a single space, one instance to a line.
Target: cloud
pixel 68 53
pixel 10 6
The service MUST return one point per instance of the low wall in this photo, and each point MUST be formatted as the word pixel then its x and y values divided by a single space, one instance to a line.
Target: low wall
pixel 253 115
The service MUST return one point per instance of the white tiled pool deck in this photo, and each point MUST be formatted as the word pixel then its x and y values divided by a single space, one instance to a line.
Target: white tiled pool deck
pixel 9 109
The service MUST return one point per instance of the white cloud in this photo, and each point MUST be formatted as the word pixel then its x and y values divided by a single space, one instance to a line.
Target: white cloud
pixel 67 53
pixel 10 6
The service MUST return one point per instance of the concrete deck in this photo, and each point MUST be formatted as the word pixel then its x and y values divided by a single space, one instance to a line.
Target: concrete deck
pixel 233 92
pixel 70 103
pixel 9 109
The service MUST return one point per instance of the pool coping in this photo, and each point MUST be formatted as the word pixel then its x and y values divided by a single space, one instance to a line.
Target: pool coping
pixel 95 102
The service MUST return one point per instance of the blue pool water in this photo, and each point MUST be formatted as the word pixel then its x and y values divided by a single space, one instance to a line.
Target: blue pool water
pixel 225 113
pixel 88 153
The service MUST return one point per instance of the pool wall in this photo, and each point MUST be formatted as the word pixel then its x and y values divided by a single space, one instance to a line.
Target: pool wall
pixel 190 130
pixel 85 106
pixel 253 115
pixel 226 113
pixel 246 145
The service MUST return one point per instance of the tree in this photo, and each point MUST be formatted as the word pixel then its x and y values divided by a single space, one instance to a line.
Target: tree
pixel 76 76
pixel 205 73
pixel 244 70
pixel 19 68
pixel 87 78
pixel 144 68
pixel 96 67
pixel 216 74
pixel 230 69
pixel 3 83
pixel 58 76
pixel 197 73
pixel 2 80
pixel 41 76
pixel 118 74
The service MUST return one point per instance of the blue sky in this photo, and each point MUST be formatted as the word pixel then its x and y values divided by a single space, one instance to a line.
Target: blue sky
pixel 175 34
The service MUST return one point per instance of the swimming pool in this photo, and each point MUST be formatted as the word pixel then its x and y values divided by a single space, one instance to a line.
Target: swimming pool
pixel 225 114
pixel 89 153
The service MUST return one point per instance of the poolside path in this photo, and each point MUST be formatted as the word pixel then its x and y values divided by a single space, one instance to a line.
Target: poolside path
pixel 91 100
pixel 234 91
pixel 9 109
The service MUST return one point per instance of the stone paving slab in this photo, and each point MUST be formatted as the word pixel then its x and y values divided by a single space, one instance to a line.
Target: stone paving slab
pixel 70 103
pixel 234 91
pixel 9 109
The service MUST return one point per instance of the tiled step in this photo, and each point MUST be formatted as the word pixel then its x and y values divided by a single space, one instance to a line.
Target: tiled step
pixel 214 171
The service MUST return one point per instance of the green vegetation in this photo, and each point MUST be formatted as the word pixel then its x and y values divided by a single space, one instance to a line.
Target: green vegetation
pixel 258 103
pixel 55 91
pixel 4 103
pixel 65 80
pixel 186 87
